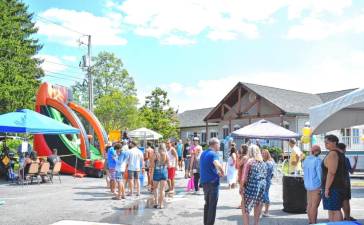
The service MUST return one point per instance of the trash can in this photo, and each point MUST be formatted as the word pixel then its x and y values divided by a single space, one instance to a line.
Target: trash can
pixel 294 194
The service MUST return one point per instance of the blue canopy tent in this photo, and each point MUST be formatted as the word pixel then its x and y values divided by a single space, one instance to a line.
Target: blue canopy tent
pixel 31 122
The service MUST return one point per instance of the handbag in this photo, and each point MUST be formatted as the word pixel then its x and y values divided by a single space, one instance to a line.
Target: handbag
pixel 190 184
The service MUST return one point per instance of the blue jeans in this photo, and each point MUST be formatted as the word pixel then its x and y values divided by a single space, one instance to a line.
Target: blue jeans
pixel 211 192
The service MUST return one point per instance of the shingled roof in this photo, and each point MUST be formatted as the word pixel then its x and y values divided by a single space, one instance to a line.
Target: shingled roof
pixel 193 118
pixel 288 101
pixel 291 102
pixel 328 96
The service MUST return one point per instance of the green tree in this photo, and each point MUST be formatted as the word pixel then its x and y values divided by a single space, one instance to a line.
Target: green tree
pixel 158 115
pixel 117 110
pixel 20 71
pixel 108 76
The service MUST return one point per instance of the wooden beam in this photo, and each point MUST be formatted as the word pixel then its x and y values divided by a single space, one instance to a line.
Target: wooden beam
pixel 259 117
pixel 231 109
pixel 239 101
pixel 207 131
pixel 222 112
pixel 259 106
pixel 230 127
pixel 249 106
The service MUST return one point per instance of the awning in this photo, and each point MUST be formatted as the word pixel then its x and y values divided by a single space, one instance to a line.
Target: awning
pixel 28 121
pixel 343 112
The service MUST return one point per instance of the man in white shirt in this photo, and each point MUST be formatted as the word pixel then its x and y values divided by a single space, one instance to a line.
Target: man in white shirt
pixel 135 164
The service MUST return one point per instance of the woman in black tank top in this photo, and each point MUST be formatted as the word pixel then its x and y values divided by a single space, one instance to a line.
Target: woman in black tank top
pixel 333 179
pixel 339 179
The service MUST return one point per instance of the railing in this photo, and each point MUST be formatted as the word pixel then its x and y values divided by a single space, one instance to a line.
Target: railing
pixel 352 143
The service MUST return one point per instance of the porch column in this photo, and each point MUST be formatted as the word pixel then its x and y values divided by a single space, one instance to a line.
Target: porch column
pixel 207 131
pixel 230 126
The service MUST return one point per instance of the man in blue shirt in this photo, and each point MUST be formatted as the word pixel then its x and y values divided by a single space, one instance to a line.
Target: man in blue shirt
pixel 312 180
pixel 210 172
pixel 111 163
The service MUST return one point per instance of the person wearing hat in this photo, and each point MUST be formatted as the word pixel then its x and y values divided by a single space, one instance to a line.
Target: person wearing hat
pixel 312 180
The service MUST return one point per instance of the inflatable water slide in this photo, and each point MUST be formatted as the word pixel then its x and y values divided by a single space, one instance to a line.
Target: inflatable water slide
pixel 81 153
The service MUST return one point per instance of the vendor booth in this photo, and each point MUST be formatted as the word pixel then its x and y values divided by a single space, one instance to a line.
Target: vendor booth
pixel 30 122
pixel 294 192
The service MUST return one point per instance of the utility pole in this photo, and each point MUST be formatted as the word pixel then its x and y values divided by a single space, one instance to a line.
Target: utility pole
pixel 89 76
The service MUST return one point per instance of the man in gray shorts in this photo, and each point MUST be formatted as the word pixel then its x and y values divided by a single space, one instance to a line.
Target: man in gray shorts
pixel 135 163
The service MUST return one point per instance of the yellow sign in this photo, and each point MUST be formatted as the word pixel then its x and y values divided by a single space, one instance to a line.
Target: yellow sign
pixel 6 160
pixel 115 135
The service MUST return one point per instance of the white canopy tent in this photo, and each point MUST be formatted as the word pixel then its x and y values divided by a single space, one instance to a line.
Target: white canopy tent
pixel 343 112
pixel 145 133
pixel 264 129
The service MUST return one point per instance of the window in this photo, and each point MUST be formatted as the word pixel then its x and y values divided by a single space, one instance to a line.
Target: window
pixel 346 137
pixel 225 132
pixel 187 135
pixel 203 137
pixel 213 134
pixel 356 136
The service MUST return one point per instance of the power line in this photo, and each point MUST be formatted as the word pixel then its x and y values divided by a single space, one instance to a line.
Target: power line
pixel 58 24
pixel 62 64
pixel 61 78
pixel 63 74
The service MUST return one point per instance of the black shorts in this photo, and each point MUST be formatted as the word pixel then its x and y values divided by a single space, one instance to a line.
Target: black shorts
pixel 179 159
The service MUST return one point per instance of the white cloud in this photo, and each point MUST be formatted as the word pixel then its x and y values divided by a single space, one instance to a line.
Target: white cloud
pixel 342 70
pixel 105 30
pixel 69 58
pixel 185 19
pixel 51 63
pixel 313 28
pixel 296 8
pixel 175 40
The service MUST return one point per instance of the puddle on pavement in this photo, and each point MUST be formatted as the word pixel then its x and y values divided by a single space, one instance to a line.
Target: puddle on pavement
pixel 129 213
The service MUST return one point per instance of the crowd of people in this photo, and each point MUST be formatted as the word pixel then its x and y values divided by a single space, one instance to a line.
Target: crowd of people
pixel 249 167
pixel 328 180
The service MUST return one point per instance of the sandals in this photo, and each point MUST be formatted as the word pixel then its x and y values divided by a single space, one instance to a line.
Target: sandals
pixel 350 219
pixel 116 198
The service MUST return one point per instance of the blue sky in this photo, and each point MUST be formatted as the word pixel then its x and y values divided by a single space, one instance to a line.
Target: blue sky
pixel 199 49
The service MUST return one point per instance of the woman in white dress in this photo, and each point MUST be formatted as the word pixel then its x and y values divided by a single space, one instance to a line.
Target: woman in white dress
pixel 232 172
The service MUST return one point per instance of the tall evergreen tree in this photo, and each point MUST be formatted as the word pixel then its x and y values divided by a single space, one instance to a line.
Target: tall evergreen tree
pixel 20 71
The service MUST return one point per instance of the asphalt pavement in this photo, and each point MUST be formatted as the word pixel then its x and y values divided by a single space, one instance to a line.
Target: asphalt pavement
pixel 77 201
